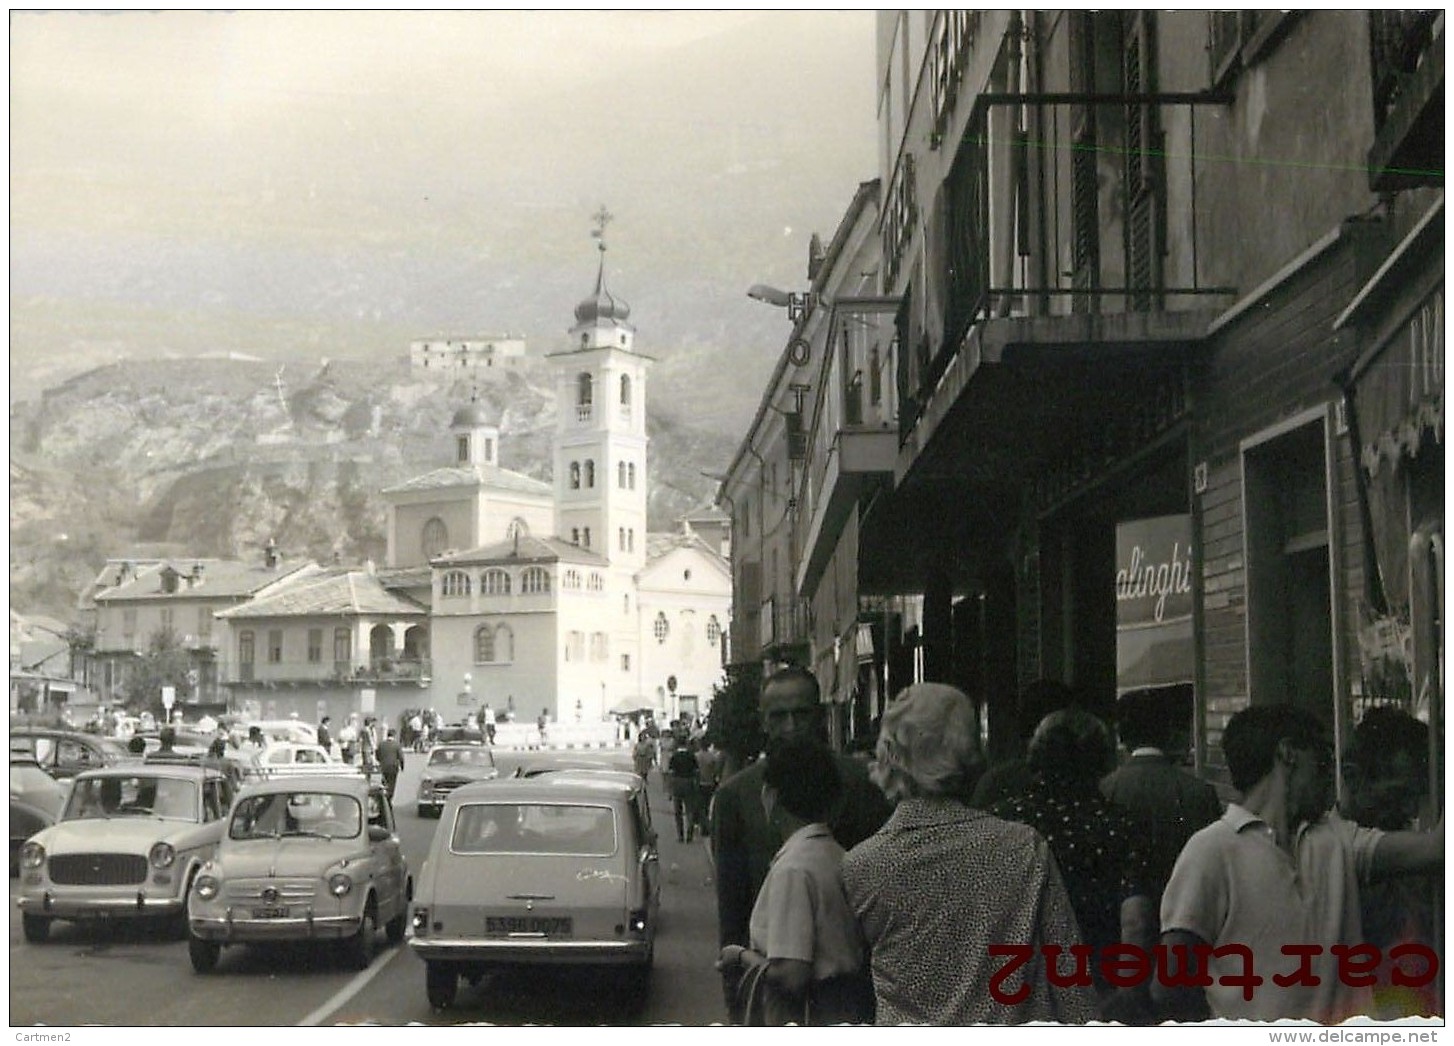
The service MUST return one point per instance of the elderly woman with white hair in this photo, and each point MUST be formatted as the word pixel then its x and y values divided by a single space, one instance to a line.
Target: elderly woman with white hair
pixel 942 884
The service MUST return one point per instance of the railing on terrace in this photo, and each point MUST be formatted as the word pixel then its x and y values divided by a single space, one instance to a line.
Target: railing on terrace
pixel 783 623
pixel 978 199
pixel 384 670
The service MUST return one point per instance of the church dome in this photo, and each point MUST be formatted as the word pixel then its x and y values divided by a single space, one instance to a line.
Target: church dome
pixel 471 416
pixel 602 307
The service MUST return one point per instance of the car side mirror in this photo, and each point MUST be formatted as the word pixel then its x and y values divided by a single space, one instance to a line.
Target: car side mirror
pixel 378 833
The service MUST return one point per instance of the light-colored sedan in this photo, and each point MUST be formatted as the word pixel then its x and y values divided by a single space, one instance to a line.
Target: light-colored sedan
pixel 452 766
pixel 127 845
pixel 560 868
pixel 303 858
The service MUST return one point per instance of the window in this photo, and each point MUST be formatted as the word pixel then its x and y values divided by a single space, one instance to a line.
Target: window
pixel 575 475
pixel 246 647
pixel 625 662
pixel 596 583
pixel 128 627
pixel 504 644
pixel 625 390
pixel 687 574
pixel 621 474
pixel 621 538
pixel 575 646
pixel 435 538
pixel 462 450
pixel 571 580
pixel 631 475
pixel 575 535
pixel 626 603
pixel 456 583
pixel 495 582
pixel 661 628
pixel 535 579
pixel 342 649
pixel 630 539
pixel 204 621
pixel 584 389
pixel 590 472
pixel 714 630
pixel 484 645
pixel 315 645
pixel 168 619
pixel 598 646
pixel 275 646
pixel 586 537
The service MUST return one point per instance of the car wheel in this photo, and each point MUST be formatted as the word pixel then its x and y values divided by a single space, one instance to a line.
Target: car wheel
pixel 441 984
pixel 36 927
pixel 358 950
pixel 203 953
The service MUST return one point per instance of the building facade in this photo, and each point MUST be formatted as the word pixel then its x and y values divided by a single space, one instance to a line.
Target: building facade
pixel 451 356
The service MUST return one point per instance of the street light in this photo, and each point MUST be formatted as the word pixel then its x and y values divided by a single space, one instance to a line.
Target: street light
pixel 796 304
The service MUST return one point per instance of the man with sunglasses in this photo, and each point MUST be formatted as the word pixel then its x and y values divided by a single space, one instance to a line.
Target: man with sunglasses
pixel 1273 886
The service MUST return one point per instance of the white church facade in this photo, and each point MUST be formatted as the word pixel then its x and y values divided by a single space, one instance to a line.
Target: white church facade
pixel 553 597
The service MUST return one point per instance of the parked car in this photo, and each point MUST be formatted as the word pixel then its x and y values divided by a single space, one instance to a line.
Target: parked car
pixel 65 753
pixel 127 845
pixel 449 767
pixel 25 821
pixel 36 799
pixel 561 868
pixel 457 733
pixel 293 730
pixel 303 858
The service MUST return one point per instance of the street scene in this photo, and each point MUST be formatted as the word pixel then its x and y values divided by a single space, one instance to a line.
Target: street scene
pixel 755 518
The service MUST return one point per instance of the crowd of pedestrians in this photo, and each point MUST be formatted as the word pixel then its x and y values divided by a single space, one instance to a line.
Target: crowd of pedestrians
pixel 924 887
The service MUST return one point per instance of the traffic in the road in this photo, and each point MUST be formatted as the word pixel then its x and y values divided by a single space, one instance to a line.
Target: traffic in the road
pixel 144 972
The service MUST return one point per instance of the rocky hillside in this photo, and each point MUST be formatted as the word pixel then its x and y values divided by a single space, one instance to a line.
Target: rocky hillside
pixel 214 456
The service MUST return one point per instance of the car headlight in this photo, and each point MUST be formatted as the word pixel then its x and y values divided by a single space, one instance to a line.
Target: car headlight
pixel 207 887
pixel 339 884
pixel 162 855
pixel 32 855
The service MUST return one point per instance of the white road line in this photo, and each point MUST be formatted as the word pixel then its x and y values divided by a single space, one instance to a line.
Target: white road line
pixel 349 990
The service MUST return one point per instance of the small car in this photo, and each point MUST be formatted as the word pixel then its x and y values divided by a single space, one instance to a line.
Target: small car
pixel 449 767
pixel 65 753
pixel 561 868
pixel 127 845
pixel 303 858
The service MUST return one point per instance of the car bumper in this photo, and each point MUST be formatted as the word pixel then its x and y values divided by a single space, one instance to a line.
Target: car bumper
pixel 527 952
pixel 231 927
pixel 136 904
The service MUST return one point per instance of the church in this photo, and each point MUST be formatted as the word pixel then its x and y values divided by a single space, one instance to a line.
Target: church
pixel 552 597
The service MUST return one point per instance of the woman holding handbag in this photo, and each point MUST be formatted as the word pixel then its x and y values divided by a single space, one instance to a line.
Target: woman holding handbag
pixel 806 960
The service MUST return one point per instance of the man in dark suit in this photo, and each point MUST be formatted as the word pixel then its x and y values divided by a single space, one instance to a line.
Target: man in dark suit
pixel 743 842
pixel 1170 803
pixel 391 761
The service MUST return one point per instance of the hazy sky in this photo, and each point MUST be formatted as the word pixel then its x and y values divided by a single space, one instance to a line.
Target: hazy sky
pixel 272 174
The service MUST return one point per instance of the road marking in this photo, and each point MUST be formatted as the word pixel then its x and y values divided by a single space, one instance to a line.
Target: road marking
pixel 349 990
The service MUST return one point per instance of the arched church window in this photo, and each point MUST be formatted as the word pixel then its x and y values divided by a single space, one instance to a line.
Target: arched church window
pixel 535 580
pixel 434 539
pixel 714 630
pixel 625 390
pixel 455 583
pixel 662 628
pixel 590 472
pixel 462 445
pixel 584 389
pixel 495 582
pixel 484 645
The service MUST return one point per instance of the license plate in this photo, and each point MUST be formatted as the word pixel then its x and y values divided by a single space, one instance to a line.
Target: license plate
pixel 276 911
pixel 557 926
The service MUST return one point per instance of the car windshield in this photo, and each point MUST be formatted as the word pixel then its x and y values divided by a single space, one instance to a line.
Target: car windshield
pixel 534 828
pixel 275 815
pixel 461 757
pixel 132 795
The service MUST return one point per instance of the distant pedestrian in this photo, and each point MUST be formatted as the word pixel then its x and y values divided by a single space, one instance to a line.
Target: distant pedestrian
pixel 391 761
pixel 1010 777
pixel 643 755
pixel 489 724
pixel 541 723
pixel 709 770
pixel 325 735
pixel 348 740
pixel 682 773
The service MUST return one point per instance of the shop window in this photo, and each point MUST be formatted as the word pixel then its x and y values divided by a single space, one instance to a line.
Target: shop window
pixel 1289 593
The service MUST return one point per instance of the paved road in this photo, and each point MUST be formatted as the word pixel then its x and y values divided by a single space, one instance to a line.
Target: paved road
pixel 128 976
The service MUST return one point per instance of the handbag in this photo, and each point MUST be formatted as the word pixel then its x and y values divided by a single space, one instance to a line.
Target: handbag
pixel 763 1006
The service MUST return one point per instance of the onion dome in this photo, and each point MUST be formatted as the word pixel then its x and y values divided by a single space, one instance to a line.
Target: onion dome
pixel 602 306
pixel 471 416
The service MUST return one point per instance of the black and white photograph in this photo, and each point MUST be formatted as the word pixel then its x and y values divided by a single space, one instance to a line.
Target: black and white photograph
pixel 686 518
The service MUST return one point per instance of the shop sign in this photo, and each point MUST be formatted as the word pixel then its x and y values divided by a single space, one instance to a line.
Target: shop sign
pixel 1153 602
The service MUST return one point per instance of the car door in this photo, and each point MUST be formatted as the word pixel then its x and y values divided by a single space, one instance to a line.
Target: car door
pixel 390 871
pixel 649 860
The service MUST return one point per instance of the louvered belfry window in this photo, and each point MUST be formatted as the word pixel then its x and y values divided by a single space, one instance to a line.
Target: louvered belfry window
pixel 1143 167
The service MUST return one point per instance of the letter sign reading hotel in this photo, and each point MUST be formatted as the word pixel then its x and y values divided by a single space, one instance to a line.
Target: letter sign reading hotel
pixel 1153 602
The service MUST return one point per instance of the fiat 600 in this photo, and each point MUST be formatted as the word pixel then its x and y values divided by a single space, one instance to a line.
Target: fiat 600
pixel 303 858
pixel 128 844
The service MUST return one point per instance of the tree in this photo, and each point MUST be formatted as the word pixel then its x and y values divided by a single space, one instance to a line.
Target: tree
pixel 734 724
pixel 165 663
pixel 81 640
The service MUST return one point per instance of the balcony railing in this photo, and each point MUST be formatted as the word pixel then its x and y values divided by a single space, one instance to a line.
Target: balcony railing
pixel 783 623
pixel 980 194
pixel 322 673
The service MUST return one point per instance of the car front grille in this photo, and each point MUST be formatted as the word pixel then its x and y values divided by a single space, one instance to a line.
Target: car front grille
pixel 97 869
pixel 289 891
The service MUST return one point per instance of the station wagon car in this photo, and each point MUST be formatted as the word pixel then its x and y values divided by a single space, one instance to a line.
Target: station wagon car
pixel 303 858
pixel 450 766
pixel 127 845
pixel 560 868
pixel 65 753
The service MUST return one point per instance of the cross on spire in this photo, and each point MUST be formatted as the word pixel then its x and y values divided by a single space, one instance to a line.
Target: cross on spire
pixel 602 218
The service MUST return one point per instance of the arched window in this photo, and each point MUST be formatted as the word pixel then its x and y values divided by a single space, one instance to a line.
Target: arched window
pixel 484 645
pixel 495 582
pixel 631 476
pixel 435 538
pixel 535 580
pixel 463 454
pixel 661 629
pixel 504 644
pixel 625 390
pixel 621 538
pixel 571 580
pixel 621 474
pixel 714 630
pixel 584 387
pixel 596 583
pixel 456 583
pixel 590 472
pixel 575 475
pixel 575 535
pixel 586 536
